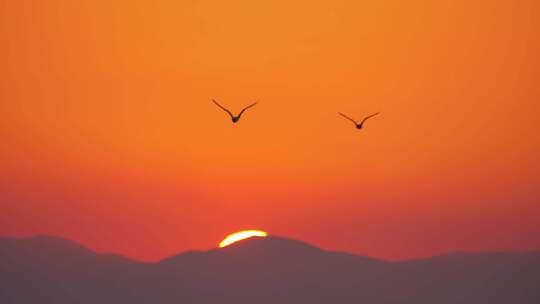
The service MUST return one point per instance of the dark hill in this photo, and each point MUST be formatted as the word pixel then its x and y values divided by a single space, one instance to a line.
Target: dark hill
pixel 259 270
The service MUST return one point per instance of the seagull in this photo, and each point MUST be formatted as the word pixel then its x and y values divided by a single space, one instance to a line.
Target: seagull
pixel 361 124
pixel 234 118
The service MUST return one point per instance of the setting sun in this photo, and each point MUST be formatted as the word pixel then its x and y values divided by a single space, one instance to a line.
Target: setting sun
pixel 241 235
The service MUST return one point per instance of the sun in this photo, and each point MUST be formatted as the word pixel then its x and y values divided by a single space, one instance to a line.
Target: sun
pixel 241 235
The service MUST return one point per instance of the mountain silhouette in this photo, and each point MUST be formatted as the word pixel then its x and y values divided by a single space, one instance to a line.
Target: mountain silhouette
pixel 259 270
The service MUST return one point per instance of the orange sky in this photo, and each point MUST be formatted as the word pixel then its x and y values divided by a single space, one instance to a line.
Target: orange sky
pixel 108 135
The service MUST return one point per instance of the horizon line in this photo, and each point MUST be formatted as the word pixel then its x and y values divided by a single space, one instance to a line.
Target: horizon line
pixel 127 257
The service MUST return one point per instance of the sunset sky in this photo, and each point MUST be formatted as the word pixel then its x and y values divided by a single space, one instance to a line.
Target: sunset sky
pixel 108 135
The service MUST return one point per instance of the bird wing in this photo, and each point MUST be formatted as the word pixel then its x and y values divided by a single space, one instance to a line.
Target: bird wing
pixel 223 108
pixel 347 117
pixel 369 117
pixel 241 112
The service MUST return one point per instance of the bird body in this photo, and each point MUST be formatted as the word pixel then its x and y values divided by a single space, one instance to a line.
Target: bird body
pixel 234 118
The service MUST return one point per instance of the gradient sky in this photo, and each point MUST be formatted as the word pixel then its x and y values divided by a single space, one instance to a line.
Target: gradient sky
pixel 108 136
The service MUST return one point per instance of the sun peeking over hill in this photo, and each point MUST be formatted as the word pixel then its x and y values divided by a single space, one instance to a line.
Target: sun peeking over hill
pixel 241 235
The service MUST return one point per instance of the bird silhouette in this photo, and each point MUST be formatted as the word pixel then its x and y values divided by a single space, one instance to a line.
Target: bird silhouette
pixel 361 124
pixel 234 118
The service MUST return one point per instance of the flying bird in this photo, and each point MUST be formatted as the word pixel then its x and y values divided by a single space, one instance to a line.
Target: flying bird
pixel 361 124
pixel 234 118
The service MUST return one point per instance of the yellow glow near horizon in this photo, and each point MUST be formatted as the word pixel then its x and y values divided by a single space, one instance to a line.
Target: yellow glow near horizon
pixel 241 235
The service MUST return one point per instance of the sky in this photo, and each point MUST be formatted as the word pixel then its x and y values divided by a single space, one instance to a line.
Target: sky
pixel 108 135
